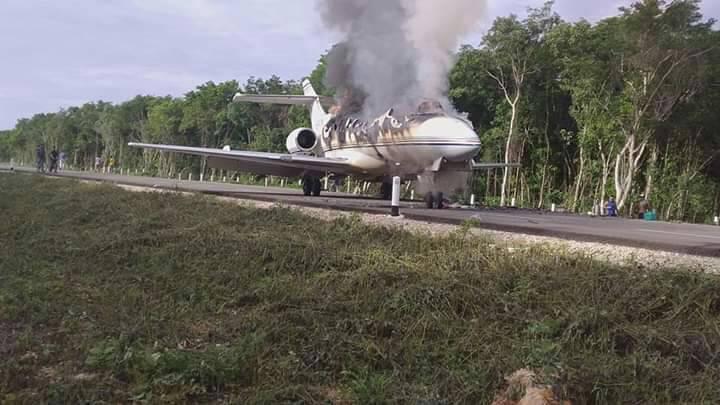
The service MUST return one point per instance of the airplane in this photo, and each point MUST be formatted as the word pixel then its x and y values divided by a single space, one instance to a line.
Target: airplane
pixel 429 146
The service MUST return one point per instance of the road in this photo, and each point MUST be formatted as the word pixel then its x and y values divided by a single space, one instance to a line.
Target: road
pixel 701 240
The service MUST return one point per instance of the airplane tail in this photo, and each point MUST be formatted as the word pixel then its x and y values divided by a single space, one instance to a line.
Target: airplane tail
pixel 318 115
pixel 308 89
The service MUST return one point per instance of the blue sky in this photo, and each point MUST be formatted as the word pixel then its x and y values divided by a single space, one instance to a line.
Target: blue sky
pixel 57 54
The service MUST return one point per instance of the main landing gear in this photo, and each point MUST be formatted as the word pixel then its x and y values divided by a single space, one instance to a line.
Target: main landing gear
pixel 386 191
pixel 434 200
pixel 312 186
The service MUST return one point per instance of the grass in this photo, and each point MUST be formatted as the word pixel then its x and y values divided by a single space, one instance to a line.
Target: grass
pixel 109 296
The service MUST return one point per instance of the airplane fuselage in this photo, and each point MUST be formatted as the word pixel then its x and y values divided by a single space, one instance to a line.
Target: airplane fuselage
pixel 404 146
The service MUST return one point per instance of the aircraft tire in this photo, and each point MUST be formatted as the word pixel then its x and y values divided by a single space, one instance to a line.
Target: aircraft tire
pixel 316 187
pixel 307 186
pixel 386 191
pixel 438 197
pixel 429 200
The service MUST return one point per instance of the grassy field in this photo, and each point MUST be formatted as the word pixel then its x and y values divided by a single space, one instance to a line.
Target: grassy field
pixel 109 296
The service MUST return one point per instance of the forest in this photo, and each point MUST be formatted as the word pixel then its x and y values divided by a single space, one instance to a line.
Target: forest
pixel 623 107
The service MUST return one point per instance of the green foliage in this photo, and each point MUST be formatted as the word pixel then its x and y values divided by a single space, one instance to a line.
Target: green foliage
pixel 597 97
pixel 7 139
pixel 210 369
pixel 368 387
pixel 204 117
pixel 317 77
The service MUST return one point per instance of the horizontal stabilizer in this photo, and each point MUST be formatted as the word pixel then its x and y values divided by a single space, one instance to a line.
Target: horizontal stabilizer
pixel 494 165
pixel 282 99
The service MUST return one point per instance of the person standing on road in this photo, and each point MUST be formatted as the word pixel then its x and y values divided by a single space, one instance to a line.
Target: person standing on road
pixel 643 206
pixel 53 161
pixel 40 154
pixel 611 207
pixel 61 162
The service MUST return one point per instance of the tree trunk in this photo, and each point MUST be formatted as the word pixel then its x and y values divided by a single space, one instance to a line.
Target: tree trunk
pixel 683 205
pixel 495 183
pixel 122 162
pixel 626 164
pixel 668 211
pixel 541 197
pixel 621 182
pixel 606 159
pixel 651 172
pixel 506 169
pixel 488 175
pixel 584 186
pixel 541 201
pixel 517 179
pixel 578 180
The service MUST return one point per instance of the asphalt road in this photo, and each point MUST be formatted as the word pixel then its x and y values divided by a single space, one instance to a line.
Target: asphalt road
pixel 701 240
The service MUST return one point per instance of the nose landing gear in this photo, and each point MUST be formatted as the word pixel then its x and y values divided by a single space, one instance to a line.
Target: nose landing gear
pixel 434 200
pixel 312 186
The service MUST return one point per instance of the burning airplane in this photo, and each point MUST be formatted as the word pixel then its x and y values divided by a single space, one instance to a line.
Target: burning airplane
pixel 391 116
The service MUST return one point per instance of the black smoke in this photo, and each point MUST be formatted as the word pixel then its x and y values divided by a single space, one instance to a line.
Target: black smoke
pixel 394 53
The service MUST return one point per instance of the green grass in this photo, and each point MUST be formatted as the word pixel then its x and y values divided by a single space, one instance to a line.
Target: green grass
pixel 112 296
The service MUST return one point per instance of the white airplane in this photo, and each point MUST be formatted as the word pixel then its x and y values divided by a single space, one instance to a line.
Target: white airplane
pixel 430 146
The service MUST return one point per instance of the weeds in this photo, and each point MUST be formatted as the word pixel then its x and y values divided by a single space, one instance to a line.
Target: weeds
pixel 113 296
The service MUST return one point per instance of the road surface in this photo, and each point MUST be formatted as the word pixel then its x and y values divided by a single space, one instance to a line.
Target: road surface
pixel 701 240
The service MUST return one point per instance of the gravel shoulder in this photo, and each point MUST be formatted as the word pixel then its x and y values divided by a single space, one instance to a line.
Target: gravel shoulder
pixel 643 258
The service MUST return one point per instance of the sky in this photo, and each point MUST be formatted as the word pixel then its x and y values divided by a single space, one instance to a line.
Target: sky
pixel 57 54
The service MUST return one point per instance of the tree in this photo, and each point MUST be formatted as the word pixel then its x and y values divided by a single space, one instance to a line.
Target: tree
pixel 585 55
pixel 163 126
pixel 7 140
pixel 201 109
pixel 659 66
pixel 512 45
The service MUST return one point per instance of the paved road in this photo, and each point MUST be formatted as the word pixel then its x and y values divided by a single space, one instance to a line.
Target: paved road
pixel 702 240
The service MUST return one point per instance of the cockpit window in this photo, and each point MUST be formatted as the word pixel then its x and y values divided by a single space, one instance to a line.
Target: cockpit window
pixel 430 107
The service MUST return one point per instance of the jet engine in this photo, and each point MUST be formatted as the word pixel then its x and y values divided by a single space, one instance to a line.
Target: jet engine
pixel 301 140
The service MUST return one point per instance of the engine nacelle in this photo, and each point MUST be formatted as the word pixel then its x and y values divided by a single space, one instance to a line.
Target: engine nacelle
pixel 302 140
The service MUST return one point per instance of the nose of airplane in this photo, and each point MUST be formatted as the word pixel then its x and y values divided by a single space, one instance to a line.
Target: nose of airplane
pixel 456 137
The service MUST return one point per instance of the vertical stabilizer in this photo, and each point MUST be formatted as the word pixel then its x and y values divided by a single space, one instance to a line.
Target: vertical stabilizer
pixel 318 115
pixel 308 89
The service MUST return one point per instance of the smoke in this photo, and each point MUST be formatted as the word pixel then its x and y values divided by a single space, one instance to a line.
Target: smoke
pixel 394 52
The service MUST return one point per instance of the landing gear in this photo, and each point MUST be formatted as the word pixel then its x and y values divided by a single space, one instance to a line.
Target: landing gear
pixel 434 200
pixel 316 187
pixel 336 185
pixel 312 186
pixel 386 191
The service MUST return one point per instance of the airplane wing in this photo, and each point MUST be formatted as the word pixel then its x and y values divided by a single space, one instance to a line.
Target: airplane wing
pixel 326 102
pixel 275 164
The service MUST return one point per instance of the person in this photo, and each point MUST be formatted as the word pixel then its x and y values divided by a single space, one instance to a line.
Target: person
pixel 98 163
pixel 611 207
pixel 61 162
pixel 643 206
pixel 40 154
pixel 53 161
